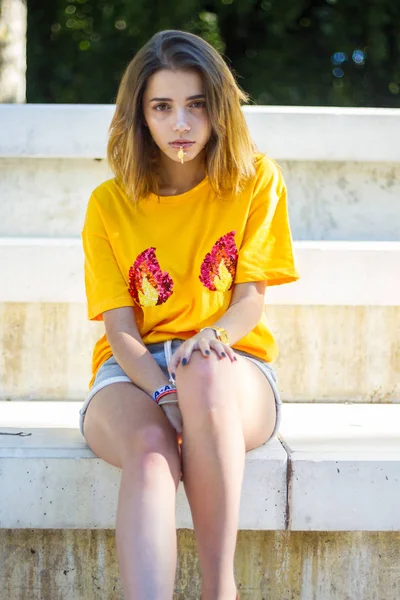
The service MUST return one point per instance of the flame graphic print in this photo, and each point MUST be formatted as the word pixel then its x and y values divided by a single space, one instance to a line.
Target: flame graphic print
pixel 219 266
pixel 148 285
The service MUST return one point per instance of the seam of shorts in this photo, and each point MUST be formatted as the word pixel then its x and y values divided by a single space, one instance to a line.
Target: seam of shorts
pixel 268 374
pixel 96 388
pixel 168 351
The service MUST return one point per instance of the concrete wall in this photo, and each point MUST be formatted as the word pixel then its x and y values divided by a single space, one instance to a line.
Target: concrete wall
pixel 81 565
pixel 328 353
pixel 327 200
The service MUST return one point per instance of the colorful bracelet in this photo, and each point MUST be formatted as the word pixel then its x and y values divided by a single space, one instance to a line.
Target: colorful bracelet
pixel 163 398
pixel 163 391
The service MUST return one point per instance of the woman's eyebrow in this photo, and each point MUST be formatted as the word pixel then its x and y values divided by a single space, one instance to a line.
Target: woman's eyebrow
pixel 195 97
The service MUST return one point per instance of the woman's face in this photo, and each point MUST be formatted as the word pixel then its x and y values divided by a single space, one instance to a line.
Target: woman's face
pixel 176 114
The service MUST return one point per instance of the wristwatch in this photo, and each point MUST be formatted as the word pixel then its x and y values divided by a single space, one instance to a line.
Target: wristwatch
pixel 221 333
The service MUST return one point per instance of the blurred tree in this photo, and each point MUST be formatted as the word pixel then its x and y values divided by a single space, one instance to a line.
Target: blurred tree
pixel 293 52
pixel 313 52
pixel 78 49
pixel 12 50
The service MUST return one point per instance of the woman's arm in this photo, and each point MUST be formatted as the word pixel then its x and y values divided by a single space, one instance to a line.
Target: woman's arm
pixel 245 310
pixel 130 352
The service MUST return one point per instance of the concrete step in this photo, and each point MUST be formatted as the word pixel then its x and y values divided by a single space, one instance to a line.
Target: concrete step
pixel 332 273
pixel 339 463
pixel 327 200
pixel 344 463
pixel 343 185
pixel 53 480
pixel 329 325
pixel 326 353
pixel 350 134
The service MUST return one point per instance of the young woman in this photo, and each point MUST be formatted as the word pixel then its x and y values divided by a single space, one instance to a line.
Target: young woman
pixel 179 248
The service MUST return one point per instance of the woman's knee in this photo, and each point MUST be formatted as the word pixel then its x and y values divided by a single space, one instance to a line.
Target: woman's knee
pixel 153 438
pixel 121 427
pixel 153 447
pixel 206 370
pixel 203 383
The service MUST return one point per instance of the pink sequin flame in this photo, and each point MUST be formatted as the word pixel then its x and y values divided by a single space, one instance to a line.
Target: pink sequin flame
pixel 223 250
pixel 146 266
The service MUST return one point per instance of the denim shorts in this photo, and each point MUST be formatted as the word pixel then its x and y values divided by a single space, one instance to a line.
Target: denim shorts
pixel 110 372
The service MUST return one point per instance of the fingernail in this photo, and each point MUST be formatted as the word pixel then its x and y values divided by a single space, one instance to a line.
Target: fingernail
pixel 208 352
pixel 184 361
pixel 223 354
pixel 234 358
pixel 173 375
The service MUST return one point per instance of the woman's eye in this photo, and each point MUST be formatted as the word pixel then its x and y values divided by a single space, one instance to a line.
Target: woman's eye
pixel 161 107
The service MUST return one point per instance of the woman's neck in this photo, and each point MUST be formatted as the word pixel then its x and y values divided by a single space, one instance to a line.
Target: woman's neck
pixel 176 178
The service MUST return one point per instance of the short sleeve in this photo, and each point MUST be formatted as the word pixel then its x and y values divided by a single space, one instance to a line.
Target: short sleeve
pixel 266 252
pixel 105 286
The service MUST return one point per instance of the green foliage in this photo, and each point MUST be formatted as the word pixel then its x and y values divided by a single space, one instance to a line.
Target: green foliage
pixel 291 52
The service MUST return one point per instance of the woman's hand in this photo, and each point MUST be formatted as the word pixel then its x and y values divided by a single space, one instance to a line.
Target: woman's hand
pixel 173 413
pixel 205 341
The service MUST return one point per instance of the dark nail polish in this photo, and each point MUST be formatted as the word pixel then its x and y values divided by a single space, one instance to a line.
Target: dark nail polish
pixel 184 361
pixel 208 352
pixel 173 375
pixel 223 354
pixel 234 358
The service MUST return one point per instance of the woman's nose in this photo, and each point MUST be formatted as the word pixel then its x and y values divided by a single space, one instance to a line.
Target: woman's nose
pixel 181 122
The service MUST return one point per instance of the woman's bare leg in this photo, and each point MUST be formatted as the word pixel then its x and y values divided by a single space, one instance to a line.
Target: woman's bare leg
pixel 227 409
pixel 126 429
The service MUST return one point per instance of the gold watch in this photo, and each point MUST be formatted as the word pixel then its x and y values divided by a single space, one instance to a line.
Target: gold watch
pixel 221 333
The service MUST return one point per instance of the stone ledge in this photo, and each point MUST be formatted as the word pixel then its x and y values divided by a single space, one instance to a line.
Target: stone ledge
pixel 332 273
pixel 283 132
pixel 54 481
pixel 343 470
pixel 344 465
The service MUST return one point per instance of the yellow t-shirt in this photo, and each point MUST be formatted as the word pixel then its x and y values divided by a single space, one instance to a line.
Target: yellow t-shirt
pixel 175 259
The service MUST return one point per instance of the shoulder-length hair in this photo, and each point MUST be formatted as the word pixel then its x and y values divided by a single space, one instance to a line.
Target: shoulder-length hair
pixel 131 151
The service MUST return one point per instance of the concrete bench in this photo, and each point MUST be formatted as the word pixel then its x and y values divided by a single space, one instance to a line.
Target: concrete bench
pixel 334 468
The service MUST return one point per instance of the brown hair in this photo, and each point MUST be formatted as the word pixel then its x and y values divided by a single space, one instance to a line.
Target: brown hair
pixel 131 151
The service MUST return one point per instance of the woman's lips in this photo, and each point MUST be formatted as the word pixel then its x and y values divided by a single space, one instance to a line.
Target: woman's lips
pixel 183 145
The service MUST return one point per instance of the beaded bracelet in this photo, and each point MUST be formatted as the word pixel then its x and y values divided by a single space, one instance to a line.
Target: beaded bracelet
pixel 163 391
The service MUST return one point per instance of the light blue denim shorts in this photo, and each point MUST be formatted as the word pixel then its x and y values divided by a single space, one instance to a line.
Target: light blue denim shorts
pixel 110 372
